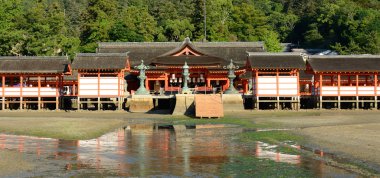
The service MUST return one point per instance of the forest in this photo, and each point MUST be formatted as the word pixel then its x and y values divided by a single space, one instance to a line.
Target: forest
pixel 66 27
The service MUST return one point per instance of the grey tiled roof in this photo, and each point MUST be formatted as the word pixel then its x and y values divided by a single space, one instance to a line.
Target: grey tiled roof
pixel 100 61
pixel 33 64
pixel 345 63
pixel 276 61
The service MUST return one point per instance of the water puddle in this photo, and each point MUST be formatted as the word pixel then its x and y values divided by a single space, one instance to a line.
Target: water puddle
pixel 146 150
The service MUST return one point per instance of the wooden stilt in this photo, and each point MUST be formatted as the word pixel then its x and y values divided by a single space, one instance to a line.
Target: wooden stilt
pixel 21 103
pixel 39 103
pixel 56 103
pixel 258 103
pixel 78 103
pixel 357 102
pixel 99 104
pixel 298 103
pixel 339 106
pixel 320 102
pixel 278 103
pixel 3 103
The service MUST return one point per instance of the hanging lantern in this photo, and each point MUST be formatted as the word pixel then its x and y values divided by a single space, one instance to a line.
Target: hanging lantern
pixel 217 82
pixel 173 76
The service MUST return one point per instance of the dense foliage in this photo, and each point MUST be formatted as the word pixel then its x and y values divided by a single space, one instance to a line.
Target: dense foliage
pixel 60 27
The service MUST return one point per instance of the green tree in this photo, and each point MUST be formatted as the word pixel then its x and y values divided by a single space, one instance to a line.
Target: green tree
pixel 97 20
pixel 177 30
pixel 11 36
pixel 219 19
pixel 272 43
pixel 249 24
pixel 139 21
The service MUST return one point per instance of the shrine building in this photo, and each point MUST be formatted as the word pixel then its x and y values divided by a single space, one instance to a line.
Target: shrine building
pixel 276 79
pixel 166 59
pixel 32 82
pixel 345 81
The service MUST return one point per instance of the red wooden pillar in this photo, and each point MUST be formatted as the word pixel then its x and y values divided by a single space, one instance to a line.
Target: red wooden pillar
pixel 277 83
pixel 56 93
pixel 320 84
pixel 375 88
pixel 245 86
pixel 357 85
pixel 256 81
pixel 39 92
pixel 375 83
pixel 147 83
pixel 21 98
pixel 166 81
pixel 78 85
pixel 98 83
pixel 3 92
pixel 118 84
pixel 357 91
pixel 338 84
pixel 73 90
pixel 298 82
pixel 3 85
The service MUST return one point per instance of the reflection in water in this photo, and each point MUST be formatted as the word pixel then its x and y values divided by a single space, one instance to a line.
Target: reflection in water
pixel 266 151
pixel 141 150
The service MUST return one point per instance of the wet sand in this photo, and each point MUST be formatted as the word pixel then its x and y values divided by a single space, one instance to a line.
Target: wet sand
pixel 361 141
pixel 352 133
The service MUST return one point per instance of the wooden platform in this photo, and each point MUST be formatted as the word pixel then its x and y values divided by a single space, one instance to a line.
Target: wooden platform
pixel 208 106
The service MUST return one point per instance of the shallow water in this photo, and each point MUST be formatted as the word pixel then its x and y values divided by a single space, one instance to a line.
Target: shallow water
pixel 145 150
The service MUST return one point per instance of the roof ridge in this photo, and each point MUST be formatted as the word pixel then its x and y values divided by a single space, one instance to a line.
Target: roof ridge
pixel 344 56
pixel 32 57
pixel 101 54
pixel 274 54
